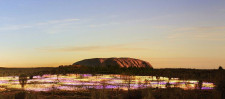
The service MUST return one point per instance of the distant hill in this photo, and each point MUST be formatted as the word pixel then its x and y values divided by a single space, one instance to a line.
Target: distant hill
pixel 120 62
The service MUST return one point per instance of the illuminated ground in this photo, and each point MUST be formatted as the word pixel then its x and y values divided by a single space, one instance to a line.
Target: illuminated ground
pixel 85 81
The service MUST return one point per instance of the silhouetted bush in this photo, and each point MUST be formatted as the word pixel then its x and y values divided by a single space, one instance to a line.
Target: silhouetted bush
pixel 20 95
pixel 221 88
pixel 23 80
pixel 220 68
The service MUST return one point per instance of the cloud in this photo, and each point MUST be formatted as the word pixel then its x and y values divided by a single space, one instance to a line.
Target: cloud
pixel 215 33
pixel 2 18
pixel 113 48
pixel 15 27
pixel 203 28
pixel 69 49
pixel 25 26
pixel 102 25
pixel 57 21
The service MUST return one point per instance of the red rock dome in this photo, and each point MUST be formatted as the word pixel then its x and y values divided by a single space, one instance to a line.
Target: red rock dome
pixel 121 62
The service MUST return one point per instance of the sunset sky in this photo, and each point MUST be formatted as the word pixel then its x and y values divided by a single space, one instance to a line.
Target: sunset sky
pixel 166 33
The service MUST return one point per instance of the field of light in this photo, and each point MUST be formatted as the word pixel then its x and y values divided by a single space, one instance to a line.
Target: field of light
pixel 72 82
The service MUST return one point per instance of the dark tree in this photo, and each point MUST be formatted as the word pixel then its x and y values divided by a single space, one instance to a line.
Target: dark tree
pixel 23 80
pixel 200 82
pixel 31 77
pixel 221 87
pixel 168 84
pixel 220 68
pixel 20 95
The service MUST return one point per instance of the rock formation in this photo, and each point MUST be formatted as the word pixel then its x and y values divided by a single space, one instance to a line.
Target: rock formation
pixel 120 62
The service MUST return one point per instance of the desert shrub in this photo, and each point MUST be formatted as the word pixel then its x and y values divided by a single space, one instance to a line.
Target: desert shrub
pixel 133 94
pixel 20 95
pixel 32 96
pixel 147 94
pixel 221 88
pixel 98 94
pixel 23 80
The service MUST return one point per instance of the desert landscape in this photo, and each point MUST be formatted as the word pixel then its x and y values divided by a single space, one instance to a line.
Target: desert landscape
pixel 111 78
pixel 112 49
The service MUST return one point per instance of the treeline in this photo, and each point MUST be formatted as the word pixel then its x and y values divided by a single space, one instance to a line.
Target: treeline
pixel 216 76
pixel 102 70
pixel 211 75
pixel 27 71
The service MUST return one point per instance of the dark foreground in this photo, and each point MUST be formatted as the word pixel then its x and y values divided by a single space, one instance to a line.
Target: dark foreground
pixel 170 93
pixel 216 76
pixel 208 75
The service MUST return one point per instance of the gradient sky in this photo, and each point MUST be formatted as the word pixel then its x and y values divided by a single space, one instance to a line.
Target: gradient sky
pixel 167 33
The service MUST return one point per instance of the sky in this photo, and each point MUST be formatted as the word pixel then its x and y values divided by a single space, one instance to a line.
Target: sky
pixel 166 33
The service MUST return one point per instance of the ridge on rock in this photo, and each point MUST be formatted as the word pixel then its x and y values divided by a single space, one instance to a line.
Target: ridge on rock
pixel 120 62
